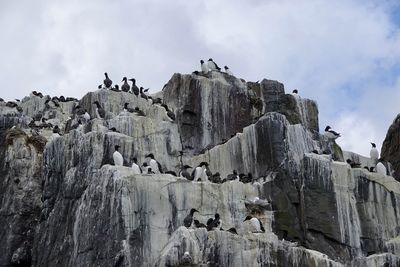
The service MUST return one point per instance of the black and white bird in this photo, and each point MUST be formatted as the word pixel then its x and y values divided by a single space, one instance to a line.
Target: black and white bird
pixel 135 167
pixel 154 164
pixel 100 112
pixel 199 224
pixel 146 168
pixel 331 134
pixel 118 159
pixel 199 173
pixel 380 168
pixel 187 222
pixel 233 176
pixel 56 131
pixel 184 172
pixel 86 116
pixel 143 94
pixel 228 71
pixel 212 65
pixel 170 114
pixel 374 154
pixel 135 89
pixel 128 109
pixel 213 223
pixel 139 112
pixel 107 81
pixel 125 86
pixel 204 67
pixel 257 226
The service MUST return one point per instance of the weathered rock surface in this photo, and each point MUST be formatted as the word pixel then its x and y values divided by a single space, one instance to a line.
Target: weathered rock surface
pixel 71 207
pixel 391 147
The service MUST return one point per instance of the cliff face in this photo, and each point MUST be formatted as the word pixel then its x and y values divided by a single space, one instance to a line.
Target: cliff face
pixel 391 147
pixel 71 207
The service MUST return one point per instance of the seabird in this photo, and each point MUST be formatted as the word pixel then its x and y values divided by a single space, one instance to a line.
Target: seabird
pixel 100 112
pixel 11 104
pixel 100 86
pixel 331 134
pixel 228 71
pixel 145 168
pixel 135 167
pixel 204 67
pixel 86 116
pixel 107 81
pixel 139 112
pixel 125 87
pixel 215 178
pixel 255 223
pixel 374 154
pixel 135 89
pixel 199 224
pixel 189 218
pixel 142 94
pixel 233 176
pixel 212 65
pixel 56 130
pixel 115 88
pixel 380 168
pixel 154 164
pixel 184 172
pixel 118 159
pixel 200 171
pixel 128 109
pixel 213 223
pixel 170 114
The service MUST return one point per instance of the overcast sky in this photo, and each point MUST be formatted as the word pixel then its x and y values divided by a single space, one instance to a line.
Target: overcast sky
pixel 345 54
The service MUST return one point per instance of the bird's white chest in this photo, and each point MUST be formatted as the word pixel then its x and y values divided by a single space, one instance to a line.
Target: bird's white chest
pixel 330 135
pixel 204 68
pixel 97 113
pixel 211 65
pixel 154 166
pixel 380 168
pixel 118 160
pixel 374 153
pixel 135 168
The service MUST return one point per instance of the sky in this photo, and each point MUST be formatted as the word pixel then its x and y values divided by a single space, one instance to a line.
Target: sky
pixel 345 54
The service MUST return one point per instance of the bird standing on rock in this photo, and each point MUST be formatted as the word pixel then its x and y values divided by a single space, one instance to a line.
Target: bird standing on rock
pixel 213 223
pixel 118 159
pixel 374 154
pixel 128 109
pixel 212 65
pixel 143 94
pixel 189 218
pixel 380 168
pixel 331 134
pixel 204 67
pixel 107 81
pixel 228 71
pixel 125 86
pixel 184 172
pixel 154 164
pixel 135 89
pixel 256 224
pixel 135 167
pixel 200 171
pixel 100 112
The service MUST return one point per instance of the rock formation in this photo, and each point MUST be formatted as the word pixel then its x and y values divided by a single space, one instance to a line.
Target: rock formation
pixel 63 203
pixel 391 147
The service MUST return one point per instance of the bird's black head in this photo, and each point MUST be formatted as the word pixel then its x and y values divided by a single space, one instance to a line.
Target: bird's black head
pixel 124 79
pixel 196 222
pixel 295 91
pixel 150 156
pixel 132 80
pixel 116 86
pixel 327 128
pixel 234 172
pixel 247 218
pixel 203 164
pixel 135 160
pixel 137 108
pixel 216 216
pixel 210 59
pixel 226 67
pixel 373 144
pixel 193 211
pixel 126 105
pixel 105 74
pixel 348 161
pixel 201 61
pixel 186 167
pixel 145 164
pixel 117 147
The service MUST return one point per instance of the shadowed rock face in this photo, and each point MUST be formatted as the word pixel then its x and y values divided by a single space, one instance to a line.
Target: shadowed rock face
pixel 391 147
pixel 79 210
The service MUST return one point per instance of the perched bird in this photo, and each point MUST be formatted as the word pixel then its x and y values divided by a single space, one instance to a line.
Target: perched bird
pixel 135 89
pixel 11 104
pixel 86 116
pixel 212 65
pixel 146 168
pixel 215 178
pixel 295 92
pixel 56 130
pixel 228 71
pixel 107 82
pixel 246 178
pixel 143 94
pixel 213 223
pixel 233 176
pixel 170 114
pixel 204 67
pixel 184 172
pixel 139 112
pixel 380 168
pixel 154 164
pixel 255 223
pixel 118 159
pixel 115 88
pixel 200 171
pixel 189 218
pixel 199 224
pixel 353 164
pixel 100 86
pixel 374 154
pixel 135 167
pixel 125 87
pixel 128 109
pixel 100 112
pixel 331 134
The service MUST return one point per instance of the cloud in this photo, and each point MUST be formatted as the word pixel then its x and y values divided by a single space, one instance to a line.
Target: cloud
pixel 344 54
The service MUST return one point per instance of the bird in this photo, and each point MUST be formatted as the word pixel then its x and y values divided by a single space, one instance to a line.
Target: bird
pixel 115 88
pixel 154 164
pixel 107 81
pixel 228 71
pixel 212 65
pixel 56 130
pixel 246 178
pixel 118 159
pixel 233 176
pixel 1 99
pixel 374 154
pixel 184 172
pixel 125 87
pixel 380 168
pixel 139 112
pixel 142 94
pixel 86 116
pixel 100 112
pixel 255 223
pixel 187 222
pixel 11 104
pixel 213 223
pixel 199 171
pixel 331 134
pixel 199 224
pixel 135 89
pixel 135 167
pixel 170 114
pixel 113 129
pixel 145 168
pixel 128 109
pixel 295 91
pixel 204 67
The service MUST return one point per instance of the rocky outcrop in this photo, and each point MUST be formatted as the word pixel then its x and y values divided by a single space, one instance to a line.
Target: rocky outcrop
pixel 391 147
pixel 79 210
